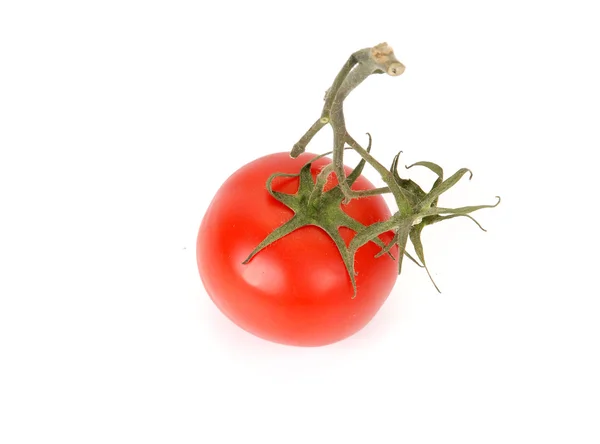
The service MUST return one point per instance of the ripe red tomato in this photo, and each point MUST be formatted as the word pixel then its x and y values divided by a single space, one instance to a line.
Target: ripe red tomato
pixel 296 291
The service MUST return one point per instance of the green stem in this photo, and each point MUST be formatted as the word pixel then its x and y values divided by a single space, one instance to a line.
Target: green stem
pixel 337 83
pixel 367 66
pixel 401 199
pixel 300 146
pixel 378 59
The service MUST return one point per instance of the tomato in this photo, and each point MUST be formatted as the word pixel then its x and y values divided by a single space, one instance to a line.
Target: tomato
pixel 297 290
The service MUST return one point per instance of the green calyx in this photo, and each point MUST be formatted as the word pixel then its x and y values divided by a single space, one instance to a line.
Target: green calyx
pixel 312 205
pixel 424 211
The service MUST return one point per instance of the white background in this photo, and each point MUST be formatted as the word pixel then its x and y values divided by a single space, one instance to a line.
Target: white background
pixel 120 119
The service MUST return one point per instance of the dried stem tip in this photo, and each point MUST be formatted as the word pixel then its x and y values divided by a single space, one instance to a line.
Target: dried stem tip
pixel 383 55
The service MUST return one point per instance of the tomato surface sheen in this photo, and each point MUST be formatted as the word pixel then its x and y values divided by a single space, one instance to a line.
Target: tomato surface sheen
pixel 297 290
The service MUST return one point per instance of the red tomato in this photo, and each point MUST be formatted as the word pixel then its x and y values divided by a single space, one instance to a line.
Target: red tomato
pixel 296 291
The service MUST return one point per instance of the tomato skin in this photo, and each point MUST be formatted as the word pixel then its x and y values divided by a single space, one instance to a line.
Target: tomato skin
pixel 297 290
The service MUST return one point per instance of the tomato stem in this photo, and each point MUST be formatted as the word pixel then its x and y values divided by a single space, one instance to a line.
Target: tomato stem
pixel 359 66
pixel 313 206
